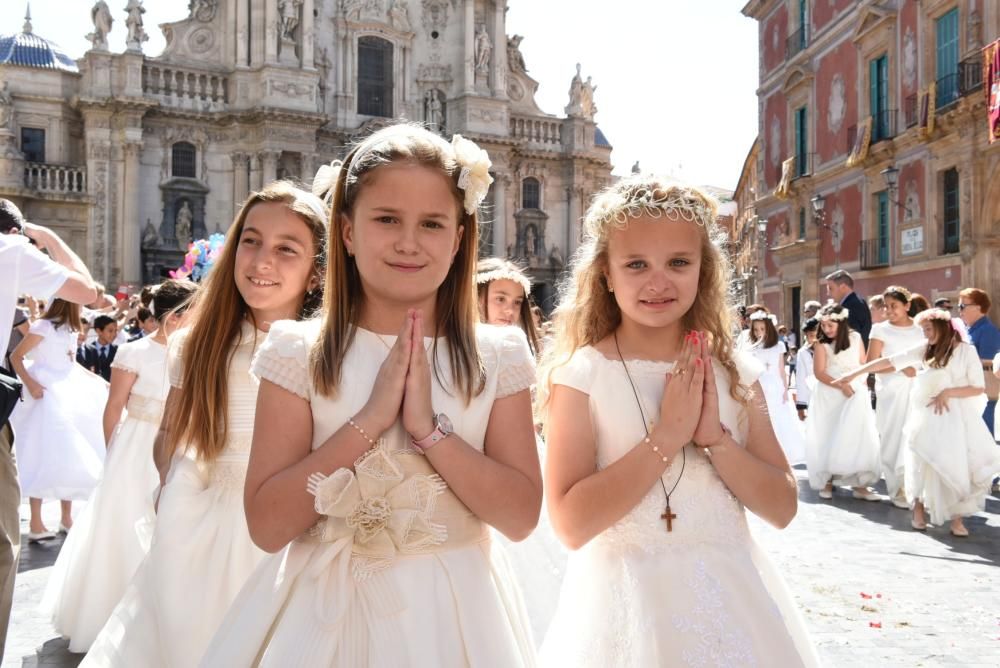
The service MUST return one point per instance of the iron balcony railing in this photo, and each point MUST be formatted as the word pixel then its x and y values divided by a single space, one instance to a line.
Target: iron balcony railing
pixel 874 253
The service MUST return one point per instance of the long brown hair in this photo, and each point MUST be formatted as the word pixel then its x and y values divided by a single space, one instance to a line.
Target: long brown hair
pixel 456 308
pixel 770 333
pixel 495 264
pixel 201 418
pixel 946 339
pixel 62 313
pixel 842 340
pixel 587 311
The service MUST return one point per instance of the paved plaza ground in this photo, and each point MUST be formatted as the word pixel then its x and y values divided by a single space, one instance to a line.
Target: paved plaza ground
pixel 873 592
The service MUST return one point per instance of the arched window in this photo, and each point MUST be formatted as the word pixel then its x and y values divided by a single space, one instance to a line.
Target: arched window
pixel 182 160
pixel 531 193
pixel 374 76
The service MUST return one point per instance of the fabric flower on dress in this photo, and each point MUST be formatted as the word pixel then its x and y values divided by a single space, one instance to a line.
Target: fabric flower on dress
pixel 474 178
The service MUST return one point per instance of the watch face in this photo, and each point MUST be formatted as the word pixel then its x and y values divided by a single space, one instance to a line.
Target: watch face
pixel 444 424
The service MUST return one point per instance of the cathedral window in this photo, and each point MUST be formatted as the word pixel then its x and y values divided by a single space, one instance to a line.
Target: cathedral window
pixel 531 193
pixel 33 144
pixel 182 160
pixel 374 76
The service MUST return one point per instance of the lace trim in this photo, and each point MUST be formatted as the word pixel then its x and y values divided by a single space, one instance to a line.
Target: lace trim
pixel 145 409
pixel 283 360
pixel 514 379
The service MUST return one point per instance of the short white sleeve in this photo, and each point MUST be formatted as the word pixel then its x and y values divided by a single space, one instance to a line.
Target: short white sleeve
pixel 42 328
pixel 283 358
pixel 911 357
pixel 36 273
pixel 125 359
pixel 578 372
pixel 517 366
pixel 973 365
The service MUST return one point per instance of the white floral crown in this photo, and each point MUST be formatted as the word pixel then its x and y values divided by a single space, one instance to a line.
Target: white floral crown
pixel 763 315
pixel 933 314
pixel 473 178
pixel 639 199
pixel 837 316
pixel 505 274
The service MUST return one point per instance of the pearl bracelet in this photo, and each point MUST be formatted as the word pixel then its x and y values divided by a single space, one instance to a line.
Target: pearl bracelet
pixel 364 434
pixel 656 449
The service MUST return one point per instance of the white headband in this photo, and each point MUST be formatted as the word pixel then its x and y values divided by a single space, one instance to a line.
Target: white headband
pixel 836 317
pixel 762 315
pixel 505 274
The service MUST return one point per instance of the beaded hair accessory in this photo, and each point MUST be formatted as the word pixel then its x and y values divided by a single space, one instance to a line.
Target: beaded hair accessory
pixel 639 199
pixel 505 274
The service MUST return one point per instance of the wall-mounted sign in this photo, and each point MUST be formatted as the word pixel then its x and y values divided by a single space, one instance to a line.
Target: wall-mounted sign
pixel 911 241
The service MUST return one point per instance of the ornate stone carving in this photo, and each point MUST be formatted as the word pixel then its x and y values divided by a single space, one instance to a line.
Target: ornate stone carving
pixel 399 16
pixel 150 237
pixel 101 17
pixel 484 49
pixel 434 110
pixel 289 12
pixel 355 10
pixel 435 15
pixel 182 225
pixel 201 40
pixel 204 10
pixel 836 105
pixel 6 107
pixel 434 73
pixel 909 58
pixel 581 97
pixel 515 59
pixel 136 33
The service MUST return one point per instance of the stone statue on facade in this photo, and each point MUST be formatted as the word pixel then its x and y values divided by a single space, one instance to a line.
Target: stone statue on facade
pixel 530 241
pixel 575 106
pixel 289 12
pixel 399 16
pixel 589 108
pixel 556 260
pixel 101 16
pixel 6 107
pixel 150 237
pixel 136 33
pixel 484 49
pixel 515 59
pixel 203 10
pixel 433 111
pixel 636 169
pixel 182 226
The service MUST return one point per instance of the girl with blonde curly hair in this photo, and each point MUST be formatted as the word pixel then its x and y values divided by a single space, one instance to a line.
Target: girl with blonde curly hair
pixel 657 439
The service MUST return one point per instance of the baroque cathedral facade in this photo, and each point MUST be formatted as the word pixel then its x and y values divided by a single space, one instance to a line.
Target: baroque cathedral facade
pixel 129 156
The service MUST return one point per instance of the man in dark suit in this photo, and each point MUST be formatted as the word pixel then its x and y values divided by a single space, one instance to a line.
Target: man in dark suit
pixel 99 355
pixel 840 288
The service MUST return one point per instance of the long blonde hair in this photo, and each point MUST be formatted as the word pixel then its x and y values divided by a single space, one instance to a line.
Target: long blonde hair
pixel 456 309
pixel 200 420
pixel 588 313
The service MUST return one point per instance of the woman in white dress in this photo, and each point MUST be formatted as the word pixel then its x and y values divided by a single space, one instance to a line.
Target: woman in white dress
pixel 894 335
pixel 657 438
pixel 100 556
pixel 59 445
pixel 766 347
pixel 805 378
pixel 381 456
pixel 951 455
pixel 201 552
pixel 841 438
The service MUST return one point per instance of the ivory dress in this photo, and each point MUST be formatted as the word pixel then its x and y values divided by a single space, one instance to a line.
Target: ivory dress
pixel 841 438
pixel 108 541
pixel 201 552
pixel 780 406
pixel 419 581
pixel 638 596
pixel 892 407
pixel 59 440
pixel 951 457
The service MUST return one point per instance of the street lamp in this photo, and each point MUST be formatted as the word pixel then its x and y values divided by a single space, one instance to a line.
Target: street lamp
pixel 891 176
pixel 819 209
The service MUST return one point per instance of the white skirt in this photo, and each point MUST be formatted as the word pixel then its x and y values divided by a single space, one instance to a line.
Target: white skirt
pixel 784 419
pixel 891 411
pixel 841 437
pixel 108 541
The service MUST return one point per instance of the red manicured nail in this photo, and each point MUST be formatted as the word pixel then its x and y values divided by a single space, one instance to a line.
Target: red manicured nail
pixel 697 360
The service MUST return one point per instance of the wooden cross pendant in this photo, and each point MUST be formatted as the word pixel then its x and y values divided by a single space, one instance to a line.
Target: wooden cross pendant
pixel 669 517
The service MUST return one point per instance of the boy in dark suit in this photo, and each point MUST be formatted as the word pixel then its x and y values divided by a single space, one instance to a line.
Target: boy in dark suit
pixel 99 355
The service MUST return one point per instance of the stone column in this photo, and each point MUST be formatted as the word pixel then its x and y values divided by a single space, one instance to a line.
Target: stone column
pixel 575 194
pixel 500 215
pixel 241 179
pixel 131 259
pixel 309 166
pixel 271 31
pixel 499 77
pixel 308 35
pixel 242 34
pixel 258 30
pixel 255 172
pixel 268 166
pixel 470 47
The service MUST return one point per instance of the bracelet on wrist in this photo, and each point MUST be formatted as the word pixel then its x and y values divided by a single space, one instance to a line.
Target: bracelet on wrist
pixel 360 429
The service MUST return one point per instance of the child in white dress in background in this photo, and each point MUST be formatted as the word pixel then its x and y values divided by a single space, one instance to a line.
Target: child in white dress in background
pixel 657 437
pixel 390 435
pixel 804 376
pixel 895 334
pixel 951 455
pixel 201 551
pixel 59 445
pixel 504 292
pixel 764 344
pixel 841 438
pixel 100 556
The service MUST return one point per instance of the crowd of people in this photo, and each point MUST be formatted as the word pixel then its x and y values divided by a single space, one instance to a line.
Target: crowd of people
pixel 330 451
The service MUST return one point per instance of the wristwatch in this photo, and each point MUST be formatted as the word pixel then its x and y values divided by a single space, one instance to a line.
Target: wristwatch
pixel 442 429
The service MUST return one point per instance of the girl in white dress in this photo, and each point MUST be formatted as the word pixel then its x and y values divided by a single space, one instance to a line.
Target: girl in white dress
pixel 951 455
pixel 59 445
pixel 841 438
pixel 657 438
pixel 504 293
pixel 201 552
pixel 381 455
pixel 804 376
pixel 765 346
pixel 894 335
pixel 100 556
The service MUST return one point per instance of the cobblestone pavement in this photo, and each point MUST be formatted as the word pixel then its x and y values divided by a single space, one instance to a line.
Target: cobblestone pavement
pixel 872 590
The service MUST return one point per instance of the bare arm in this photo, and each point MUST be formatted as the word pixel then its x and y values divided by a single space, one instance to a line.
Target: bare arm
pixel 27 344
pixel 875 366
pixel 121 387
pixel 161 456
pixel 79 287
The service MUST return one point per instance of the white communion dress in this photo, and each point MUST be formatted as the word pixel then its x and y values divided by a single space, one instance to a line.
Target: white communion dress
pixel 893 404
pixel 780 406
pixel 110 537
pixel 637 595
pixel 59 439
pixel 841 438
pixel 201 552
pixel 421 584
pixel 952 457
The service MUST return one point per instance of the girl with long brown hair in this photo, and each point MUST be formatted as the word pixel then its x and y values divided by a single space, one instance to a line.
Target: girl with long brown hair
pixel 390 434
pixel 951 456
pixel 59 445
pixel 504 292
pixel 269 269
pixel 657 438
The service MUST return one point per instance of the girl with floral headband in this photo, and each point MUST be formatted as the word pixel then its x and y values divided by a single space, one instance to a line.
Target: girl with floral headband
pixel 841 439
pixel 657 438
pixel 391 434
pixel 764 344
pixel 897 333
pixel 201 553
pixel 505 297
pixel 951 454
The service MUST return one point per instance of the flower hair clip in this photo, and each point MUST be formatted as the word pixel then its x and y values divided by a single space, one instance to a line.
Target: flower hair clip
pixel 325 180
pixel 474 178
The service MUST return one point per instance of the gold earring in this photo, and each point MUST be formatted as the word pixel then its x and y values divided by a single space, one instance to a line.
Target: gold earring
pixel 610 289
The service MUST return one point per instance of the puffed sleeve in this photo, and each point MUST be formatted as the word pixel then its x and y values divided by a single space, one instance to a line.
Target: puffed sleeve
pixel 973 366
pixel 577 373
pixel 175 357
pixel 125 358
pixel 911 357
pixel 283 358
pixel 41 327
pixel 517 366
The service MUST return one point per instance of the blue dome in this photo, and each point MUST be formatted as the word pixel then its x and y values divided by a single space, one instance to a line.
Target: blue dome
pixel 600 139
pixel 29 50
